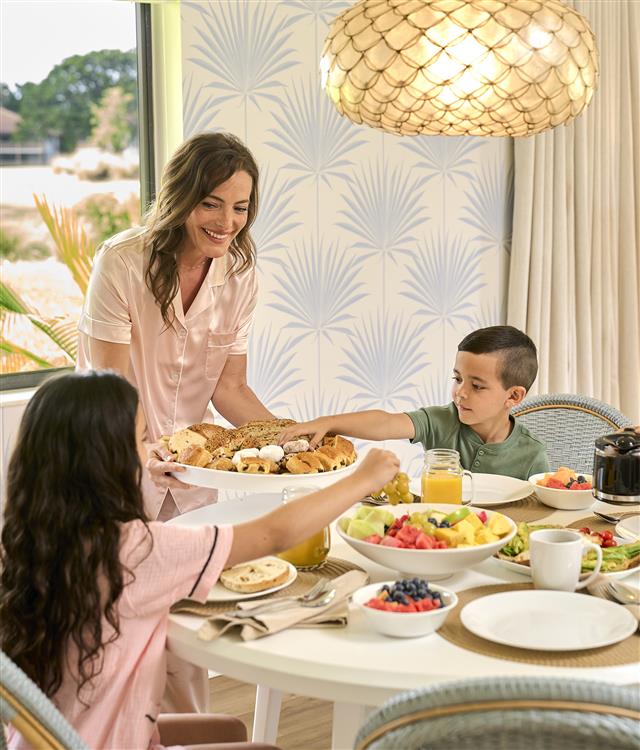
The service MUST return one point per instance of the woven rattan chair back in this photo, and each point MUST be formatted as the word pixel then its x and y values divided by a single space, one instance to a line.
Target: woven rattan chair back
pixel 28 709
pixel 516 713
pixel 569 424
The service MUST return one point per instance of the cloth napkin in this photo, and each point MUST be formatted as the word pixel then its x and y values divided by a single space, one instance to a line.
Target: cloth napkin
pixel 333 614
pixel 596 588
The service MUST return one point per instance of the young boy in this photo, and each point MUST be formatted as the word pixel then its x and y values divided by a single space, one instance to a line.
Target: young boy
pixel 494 369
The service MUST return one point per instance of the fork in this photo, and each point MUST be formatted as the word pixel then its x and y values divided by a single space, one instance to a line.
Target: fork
pixel 280 604
pixel 314 592
pixel 603 588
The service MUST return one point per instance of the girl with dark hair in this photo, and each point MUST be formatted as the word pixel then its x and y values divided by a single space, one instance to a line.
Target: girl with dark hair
pixel 87 580
pixel 170 305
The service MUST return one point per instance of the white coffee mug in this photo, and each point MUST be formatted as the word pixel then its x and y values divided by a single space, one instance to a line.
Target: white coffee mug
pixel 556 559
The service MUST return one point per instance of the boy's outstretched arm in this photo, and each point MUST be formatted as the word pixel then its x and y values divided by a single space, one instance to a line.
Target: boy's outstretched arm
pixel 368 425
pixel 294 522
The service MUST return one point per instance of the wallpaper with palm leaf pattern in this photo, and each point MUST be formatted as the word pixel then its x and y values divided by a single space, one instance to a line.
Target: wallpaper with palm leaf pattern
pixel 376 253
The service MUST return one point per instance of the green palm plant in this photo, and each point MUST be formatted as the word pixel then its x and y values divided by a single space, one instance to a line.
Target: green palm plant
pixel 76 251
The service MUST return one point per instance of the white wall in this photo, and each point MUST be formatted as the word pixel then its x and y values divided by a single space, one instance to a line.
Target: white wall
pixel 377 254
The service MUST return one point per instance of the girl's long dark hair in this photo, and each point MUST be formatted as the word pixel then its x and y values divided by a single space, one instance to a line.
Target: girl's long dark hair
pixel 200 164
pixel 74 477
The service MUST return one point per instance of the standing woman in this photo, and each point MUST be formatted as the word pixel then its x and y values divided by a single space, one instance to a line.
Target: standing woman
pixel 170 305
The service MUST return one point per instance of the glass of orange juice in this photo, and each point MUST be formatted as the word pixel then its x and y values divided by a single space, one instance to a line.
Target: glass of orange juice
pixel 312 552
pixel 442 477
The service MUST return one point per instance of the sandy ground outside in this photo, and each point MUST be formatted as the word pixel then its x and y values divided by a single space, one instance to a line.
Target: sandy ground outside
pixel 44 282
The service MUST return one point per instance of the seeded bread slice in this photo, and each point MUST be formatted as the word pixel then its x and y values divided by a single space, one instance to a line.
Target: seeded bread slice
pixel 258 575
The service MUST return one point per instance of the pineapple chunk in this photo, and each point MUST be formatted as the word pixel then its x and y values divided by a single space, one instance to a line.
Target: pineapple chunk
pixel 486 536
pixel 452 537
pixel 466 529
pixel 473 519
pixel 499 524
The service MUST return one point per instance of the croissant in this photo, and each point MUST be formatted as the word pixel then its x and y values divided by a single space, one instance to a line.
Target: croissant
pixel 304 463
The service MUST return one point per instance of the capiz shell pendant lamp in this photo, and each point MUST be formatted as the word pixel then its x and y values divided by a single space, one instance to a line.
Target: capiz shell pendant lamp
pixel 460 67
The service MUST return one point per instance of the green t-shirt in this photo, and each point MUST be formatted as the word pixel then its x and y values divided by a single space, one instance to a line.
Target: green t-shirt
pixel 520 455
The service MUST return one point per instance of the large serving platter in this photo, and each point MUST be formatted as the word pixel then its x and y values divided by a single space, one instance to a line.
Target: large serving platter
pixel 232 480
pixel 489 489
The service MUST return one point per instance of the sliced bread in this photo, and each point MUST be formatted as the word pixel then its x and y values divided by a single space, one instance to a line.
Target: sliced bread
pixel 257 575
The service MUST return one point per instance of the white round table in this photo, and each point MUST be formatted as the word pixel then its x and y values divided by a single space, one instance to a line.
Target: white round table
pixel 354 667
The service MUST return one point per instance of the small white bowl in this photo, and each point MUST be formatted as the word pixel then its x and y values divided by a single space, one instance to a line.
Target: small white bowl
pixel 403 624
pixel 563 499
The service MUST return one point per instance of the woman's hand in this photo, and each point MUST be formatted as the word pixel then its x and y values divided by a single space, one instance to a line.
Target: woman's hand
pixel 378 467
pixel 159 463
pixel 317 428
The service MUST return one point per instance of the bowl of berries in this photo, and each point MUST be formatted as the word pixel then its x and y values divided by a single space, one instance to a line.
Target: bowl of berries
pixel 564 489
pixel 427 540
pixel 407 608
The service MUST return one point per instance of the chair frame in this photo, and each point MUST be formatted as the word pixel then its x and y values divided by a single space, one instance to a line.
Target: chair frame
pixel 35 733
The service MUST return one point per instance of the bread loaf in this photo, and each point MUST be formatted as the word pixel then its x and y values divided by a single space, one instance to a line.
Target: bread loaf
pixel 183 439
pixel 195 455
pixel 247 578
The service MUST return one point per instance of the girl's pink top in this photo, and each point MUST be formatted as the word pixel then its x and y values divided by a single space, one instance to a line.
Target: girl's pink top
pixel 168 563
pixel 176 369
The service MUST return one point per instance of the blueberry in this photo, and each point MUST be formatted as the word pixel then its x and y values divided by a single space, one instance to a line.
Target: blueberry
pixel 445 524
pixel 581 479
pixel 433 521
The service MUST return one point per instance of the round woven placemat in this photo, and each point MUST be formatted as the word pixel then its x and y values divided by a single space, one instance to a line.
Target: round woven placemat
pixel 625 652
pixel 331 568
pixel 527 509
pixel 597 524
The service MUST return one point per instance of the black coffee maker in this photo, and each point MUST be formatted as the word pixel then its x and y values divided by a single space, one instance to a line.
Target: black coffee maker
pixel 616 468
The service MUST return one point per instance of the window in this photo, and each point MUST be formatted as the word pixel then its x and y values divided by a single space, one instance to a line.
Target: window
pixel 69 165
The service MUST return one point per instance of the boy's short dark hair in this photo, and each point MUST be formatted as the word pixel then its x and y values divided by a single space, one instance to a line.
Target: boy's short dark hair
pixel 518 353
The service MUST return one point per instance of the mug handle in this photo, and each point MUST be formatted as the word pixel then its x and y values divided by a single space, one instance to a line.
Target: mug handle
pixel 596 571
pixel 466 473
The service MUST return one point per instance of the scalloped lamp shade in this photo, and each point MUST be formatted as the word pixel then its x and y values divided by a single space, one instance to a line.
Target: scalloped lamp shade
pixel 460 67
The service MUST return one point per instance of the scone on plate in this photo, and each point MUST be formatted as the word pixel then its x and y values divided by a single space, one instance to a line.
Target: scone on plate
pixel 258 575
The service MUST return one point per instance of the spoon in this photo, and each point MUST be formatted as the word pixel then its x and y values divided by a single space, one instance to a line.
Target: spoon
pixel 623 593
pixel 606 517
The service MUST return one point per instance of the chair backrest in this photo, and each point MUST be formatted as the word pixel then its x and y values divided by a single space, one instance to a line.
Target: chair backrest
pixel 514 712
pixel 28 709
pixel 569 424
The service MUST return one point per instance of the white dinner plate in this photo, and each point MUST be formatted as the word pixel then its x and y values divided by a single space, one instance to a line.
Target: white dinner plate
pixel 548 620
pixel 220 593
pixel 232 480
pixel 490 489
pixel 629 528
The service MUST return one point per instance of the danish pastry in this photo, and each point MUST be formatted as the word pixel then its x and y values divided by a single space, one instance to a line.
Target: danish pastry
pixel 251 465
pixel 304 463
pixel 195 455
pixel 222 464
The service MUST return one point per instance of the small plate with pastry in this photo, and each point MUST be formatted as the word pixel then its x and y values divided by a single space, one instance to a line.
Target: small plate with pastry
pixel 251 579
pixel 249 457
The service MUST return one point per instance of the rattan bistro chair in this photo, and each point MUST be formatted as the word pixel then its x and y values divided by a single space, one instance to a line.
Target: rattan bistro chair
pixel 569 424
pixel 510 713
pixel 28 709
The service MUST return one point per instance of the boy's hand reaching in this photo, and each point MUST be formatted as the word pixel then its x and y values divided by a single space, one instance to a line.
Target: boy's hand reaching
pixel 317 428
pixel 378 467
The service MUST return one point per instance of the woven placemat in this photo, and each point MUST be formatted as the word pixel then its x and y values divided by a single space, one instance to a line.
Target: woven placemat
pixel 625 652
pixel 597 524
pixel 528 509
pixel 331 568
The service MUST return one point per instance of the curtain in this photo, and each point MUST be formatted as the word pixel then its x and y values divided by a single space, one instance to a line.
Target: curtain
pixel 575 258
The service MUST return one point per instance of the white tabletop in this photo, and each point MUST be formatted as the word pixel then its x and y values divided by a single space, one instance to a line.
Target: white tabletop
pixel 354 664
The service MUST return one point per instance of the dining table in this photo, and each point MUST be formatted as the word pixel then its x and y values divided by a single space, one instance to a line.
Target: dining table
pixel 354 667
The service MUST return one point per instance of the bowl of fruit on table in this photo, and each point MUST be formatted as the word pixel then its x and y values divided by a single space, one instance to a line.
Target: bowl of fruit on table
pixel 564 489
pixel 426 540
pixel 407 608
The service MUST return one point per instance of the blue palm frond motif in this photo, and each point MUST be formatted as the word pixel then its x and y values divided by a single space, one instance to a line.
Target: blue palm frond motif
pixel 320 286
pixel 270 372
pixel 312 134
pixel 442 279
pixel 314 405
pixel 491 313
pixel 243 47
pixel 198 115
pixel 383 360
pixel 443 156
pixel 275 217
pixel 489 208
pixel 383 210
pixel 436 391
pixel 324 10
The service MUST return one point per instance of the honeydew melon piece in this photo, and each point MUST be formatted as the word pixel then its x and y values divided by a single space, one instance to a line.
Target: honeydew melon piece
pixel 358 529
pixel 343 523
pixel 375 515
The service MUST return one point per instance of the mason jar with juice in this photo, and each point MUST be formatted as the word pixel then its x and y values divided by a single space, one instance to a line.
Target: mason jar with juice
pixel 312 552
pixel 442 477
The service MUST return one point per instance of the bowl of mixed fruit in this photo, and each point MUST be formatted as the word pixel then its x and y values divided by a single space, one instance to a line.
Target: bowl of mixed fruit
pixel 434 540
pixel 407 608
pixel 564 489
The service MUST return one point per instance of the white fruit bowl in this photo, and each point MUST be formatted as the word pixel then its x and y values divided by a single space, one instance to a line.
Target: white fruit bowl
pixel 428 563
pixel 403 624
pixel 563 499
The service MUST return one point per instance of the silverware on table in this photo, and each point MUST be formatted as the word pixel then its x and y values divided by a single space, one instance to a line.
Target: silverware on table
pixel 624 593
pixel 278 605
pixel 606 517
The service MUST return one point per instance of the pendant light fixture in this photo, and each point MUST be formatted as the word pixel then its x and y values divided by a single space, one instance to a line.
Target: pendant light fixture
pixel 460 67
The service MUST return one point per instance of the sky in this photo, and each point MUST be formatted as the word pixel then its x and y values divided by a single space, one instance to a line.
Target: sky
pixel 35 35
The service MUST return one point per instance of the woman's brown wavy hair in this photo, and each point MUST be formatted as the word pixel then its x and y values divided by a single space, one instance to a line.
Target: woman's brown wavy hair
pixel 73 479
pixel 193 172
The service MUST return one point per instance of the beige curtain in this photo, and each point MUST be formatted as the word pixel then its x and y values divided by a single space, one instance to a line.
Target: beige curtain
pixel 575 259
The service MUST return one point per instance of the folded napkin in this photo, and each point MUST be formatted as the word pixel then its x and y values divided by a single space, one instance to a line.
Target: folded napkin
pixel 597 588
pixel 333 614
